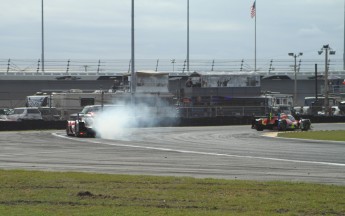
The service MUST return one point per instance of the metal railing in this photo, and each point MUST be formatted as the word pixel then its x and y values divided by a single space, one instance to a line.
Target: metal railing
pixel 334 89
pixel 198 112
pixel 108 66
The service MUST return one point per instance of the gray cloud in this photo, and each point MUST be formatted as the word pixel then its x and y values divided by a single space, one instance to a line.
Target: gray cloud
pixel 218 29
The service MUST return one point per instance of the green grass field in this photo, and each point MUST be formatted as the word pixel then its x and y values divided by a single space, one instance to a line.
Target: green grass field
pixel 57 193
pixel 338 135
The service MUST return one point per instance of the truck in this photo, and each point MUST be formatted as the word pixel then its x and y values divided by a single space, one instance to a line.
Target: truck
pixel 151 89
pixel 315 105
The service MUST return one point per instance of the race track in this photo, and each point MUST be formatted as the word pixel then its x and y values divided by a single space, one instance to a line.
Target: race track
pixel 227 152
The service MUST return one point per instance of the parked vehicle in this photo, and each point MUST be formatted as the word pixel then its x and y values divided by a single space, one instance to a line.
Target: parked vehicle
pixel 50 113
pixel 24 113
pixel 336 111
pixel 313 106
pixel 3 113
pixel 86 110
pixel 281 122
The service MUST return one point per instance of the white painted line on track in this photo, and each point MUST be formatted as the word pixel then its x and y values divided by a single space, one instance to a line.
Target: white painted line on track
pixel 200 153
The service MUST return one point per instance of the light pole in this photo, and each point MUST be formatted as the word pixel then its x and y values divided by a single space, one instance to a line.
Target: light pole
pixel 187 35
pixel 133 78
pixel 295 80
pixel 344 40
pixel 329 51
pixel 42 36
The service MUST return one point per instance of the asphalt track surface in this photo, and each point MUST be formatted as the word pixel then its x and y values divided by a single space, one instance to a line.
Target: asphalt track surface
pixel 226 152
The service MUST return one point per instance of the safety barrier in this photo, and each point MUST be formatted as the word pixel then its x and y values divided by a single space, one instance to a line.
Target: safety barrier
pixel 31 125
pixel 163 122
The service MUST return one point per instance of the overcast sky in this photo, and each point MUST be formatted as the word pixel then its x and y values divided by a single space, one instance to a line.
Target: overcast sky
pixel 219 29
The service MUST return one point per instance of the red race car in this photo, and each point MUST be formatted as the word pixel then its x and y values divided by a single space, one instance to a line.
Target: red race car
pixel 281 122
pixel 82 124
pixel 81 127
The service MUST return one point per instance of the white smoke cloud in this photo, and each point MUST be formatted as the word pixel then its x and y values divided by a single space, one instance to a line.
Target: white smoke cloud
pixel 119 121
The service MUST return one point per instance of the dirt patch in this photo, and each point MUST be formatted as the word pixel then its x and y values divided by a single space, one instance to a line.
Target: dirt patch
pixel 271 134
pixel 85 194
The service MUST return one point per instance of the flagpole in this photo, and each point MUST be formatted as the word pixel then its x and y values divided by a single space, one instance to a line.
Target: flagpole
pixel 255 38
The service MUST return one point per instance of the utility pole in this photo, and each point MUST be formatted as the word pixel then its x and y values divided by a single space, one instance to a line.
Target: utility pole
pixel 329 51
pixel 295 80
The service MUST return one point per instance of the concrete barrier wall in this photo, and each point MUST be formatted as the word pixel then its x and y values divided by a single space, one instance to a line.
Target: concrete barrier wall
pixel 163 122
pixel 32 125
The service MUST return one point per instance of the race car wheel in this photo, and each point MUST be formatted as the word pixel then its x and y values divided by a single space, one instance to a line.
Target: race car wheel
pixel 305 125
pixel 283 125
pixel 68 134
pixel 259 128
pixel 77 134
pixel 68 130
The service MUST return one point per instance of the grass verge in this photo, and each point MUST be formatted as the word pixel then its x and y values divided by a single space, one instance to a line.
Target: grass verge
pixel 57 193
pixel 338 135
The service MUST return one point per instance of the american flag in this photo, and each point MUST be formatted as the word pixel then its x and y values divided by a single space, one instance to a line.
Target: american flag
pixel 253 11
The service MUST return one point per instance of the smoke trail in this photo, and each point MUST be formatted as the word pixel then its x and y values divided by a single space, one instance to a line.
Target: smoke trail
pixel 117 122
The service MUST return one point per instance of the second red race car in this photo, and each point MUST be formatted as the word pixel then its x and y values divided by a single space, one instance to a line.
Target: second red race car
pixel 281 122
